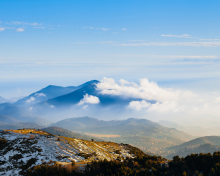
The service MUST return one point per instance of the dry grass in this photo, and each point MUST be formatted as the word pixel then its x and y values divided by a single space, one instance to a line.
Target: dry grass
pixel 88 150
pixel 27 131
pixel 105 149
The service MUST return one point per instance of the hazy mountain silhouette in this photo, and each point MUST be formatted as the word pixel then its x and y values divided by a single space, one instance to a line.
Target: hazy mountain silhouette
pixel 127 127
pixel 207 144
pixel 22 115
pixel 3 100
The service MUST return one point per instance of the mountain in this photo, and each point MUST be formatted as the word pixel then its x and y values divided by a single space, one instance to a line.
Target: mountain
pixel 207 144
pixel 49 92
pixel 44 94
pixel 7 119
pixel 145 134
pixel 3 100
pixel 142 127
pixel 4 105
pixel 20 114
pixel 74 97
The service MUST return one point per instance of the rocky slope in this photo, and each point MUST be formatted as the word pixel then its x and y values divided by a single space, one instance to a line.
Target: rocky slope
pixel 22 149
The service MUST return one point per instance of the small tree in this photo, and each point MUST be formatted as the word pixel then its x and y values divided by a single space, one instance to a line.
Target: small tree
pixel 73 163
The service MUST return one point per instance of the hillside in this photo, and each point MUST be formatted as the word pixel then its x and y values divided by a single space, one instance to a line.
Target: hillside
pixel 145 134
pixel 127 127
pixel 66 133
pixel 207 144
pixel 22 149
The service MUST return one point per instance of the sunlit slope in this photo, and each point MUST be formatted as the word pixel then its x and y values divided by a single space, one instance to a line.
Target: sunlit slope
pixel 24 148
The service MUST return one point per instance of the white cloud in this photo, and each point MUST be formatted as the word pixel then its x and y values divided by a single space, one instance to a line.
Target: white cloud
pixel 84 107
pixel 30 100
pixel 145 90
pixel 40 95
pixel 178 36
pixel 194 44
pixel 89 99
pixel 163 107
pixel 19 30
pixel 89 27
pixel 217 100
pixel 167 100
pixel 104 29
pixel 25 23
pixel 138 105
pixel 2 29
pixel 123 29
pixel 86 27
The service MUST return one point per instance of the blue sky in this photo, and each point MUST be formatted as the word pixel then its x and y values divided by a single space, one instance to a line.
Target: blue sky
pixel 175 43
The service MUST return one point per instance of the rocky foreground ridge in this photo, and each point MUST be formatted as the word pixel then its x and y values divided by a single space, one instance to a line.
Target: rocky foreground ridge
pixel 25 148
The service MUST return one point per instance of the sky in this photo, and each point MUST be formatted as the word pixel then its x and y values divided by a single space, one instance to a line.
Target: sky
pixel 173 43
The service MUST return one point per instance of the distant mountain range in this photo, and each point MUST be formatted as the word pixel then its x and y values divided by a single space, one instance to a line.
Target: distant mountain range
pixel 145 134
pixel 22 111
pixel 126 127
pixel 207 144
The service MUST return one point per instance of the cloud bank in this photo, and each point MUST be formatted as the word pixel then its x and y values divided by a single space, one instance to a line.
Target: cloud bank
pixel 89 99
pixel 168 101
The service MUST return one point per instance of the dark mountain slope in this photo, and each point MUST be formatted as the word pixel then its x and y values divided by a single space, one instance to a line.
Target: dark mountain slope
pixel 50 92
pixel 74 97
